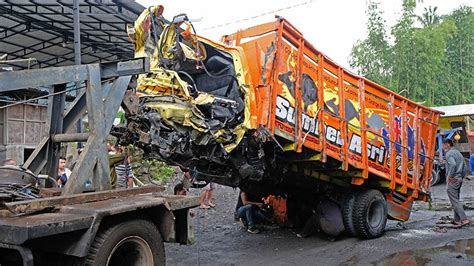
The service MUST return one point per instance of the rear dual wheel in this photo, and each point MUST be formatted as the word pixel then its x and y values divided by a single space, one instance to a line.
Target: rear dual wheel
pixel 365 213
pixel 347 209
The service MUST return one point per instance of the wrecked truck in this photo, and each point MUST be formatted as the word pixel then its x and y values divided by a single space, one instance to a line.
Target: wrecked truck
pixel 265 111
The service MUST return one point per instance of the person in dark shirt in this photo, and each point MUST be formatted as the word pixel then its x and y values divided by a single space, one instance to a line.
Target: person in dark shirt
pixel 249 213
pixel 456 170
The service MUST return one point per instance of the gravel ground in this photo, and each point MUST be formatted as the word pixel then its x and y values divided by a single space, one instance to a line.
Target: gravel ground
pixel 221 241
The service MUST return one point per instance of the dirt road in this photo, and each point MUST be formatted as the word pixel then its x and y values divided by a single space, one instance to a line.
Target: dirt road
pixel 221 241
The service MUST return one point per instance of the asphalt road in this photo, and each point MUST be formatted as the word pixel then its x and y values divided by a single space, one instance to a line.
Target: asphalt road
pixel 221 241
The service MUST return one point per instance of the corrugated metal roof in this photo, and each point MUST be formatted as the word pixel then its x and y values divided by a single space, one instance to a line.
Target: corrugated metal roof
pixel 43 31
pixel 456 110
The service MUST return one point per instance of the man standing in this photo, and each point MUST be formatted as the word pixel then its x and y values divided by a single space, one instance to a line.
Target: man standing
pixel 124 171
pixel 455 172
pixel 206 193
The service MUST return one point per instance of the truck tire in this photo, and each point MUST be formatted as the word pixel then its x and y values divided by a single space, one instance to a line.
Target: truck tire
pixel 434 177
pixel 370 214
pixel 347 209
pixel 127 242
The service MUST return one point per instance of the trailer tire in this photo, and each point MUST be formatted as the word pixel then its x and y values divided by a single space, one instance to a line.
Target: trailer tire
pixel 370 214
pixel 138 237
pixel 347 210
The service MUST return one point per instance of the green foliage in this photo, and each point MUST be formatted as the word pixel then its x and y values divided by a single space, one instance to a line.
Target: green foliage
pixel 403 69
pixel 372 55
pixel 431 59
pixel 459 61
pixel 429 17
pixel 149 170
pixel 429 47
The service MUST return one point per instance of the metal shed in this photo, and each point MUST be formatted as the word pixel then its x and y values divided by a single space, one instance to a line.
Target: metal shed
pixel 41 33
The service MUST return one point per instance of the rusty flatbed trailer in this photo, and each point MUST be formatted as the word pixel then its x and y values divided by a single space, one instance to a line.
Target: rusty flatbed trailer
pixel 86 222
pixel 68 231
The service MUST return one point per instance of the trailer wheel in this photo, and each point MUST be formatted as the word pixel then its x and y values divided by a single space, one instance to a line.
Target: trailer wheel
pixel 370 214
pixel 129 242
pixel 347 209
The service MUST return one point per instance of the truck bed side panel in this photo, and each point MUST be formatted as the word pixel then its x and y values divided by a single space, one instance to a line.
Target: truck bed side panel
pixel 318 105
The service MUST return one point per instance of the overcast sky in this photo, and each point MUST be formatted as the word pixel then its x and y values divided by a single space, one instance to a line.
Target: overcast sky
pixel 332 26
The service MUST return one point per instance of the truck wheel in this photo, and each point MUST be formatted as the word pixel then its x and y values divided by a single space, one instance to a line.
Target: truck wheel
pixel 347 209
pixel 434 177
pixel 370 214
pixel 129 242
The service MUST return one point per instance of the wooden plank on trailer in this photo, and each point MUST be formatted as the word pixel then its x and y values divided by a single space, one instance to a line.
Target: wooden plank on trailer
pixel 40 204
pixel 179 202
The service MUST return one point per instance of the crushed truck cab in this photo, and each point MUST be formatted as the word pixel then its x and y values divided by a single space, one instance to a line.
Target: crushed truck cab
pixel 266 111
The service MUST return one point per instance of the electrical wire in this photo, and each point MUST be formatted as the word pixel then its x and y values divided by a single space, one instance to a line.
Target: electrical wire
pixel 37 98
pixel 48 95
pixel 258 16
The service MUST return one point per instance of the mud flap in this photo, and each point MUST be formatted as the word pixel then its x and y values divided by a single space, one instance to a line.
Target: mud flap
pixel 399 207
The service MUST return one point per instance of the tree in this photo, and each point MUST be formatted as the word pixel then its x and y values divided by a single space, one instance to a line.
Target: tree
pixel 403 32
pixel 371 56
pixel 458 76
pixel 429 54
pixel 429 17
pixel 431 61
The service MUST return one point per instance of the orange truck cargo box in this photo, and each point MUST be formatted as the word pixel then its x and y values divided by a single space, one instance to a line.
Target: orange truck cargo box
pixel 302 95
